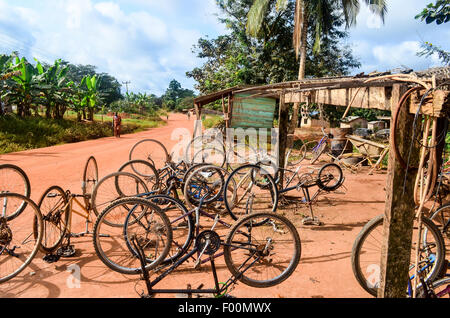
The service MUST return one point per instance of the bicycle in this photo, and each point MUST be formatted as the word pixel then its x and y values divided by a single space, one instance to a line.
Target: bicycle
pixel 182 221
pixel 254 251
pixel 263 189
pixel 328 179
pixel 366 254
pixel 241 237
pixel 320 148
pixel 58 206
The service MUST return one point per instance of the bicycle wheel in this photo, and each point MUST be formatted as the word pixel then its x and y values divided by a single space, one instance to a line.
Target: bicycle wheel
pixel 180 219
pixel 205 182
pixel 255 191
pixel 263 255
pixel 366 253
pixel 210 155
pixel 330 177
pixel 151 150
pixel 192 169
pixel 144 170
pixel 54 208
pixel 90 179
pixel 295 156
pixel 111 243
pixel 240 153
pixel 317 152
pixel 18 246
pixel 115 186
pixel 440 289
pixel 207 140
pixel 441 217
pixel 14 180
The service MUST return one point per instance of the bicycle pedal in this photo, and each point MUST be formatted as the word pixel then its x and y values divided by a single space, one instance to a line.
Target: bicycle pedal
pixel 51 258
pixel 66 251
pixel 311 221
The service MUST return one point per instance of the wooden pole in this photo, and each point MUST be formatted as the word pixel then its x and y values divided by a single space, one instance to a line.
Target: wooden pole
pixel 283 125
pixel 399 213
pixel 229 111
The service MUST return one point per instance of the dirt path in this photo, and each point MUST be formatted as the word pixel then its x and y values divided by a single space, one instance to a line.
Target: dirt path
pixel 324 270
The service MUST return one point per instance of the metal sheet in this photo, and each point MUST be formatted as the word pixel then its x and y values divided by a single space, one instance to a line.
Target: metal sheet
pixel 252 112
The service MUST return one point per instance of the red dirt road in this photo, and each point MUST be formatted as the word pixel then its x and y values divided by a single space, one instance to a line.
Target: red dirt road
pixel 324 269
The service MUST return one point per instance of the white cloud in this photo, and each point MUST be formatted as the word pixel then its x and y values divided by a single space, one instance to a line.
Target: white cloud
pixel 397 41
pixel 146 42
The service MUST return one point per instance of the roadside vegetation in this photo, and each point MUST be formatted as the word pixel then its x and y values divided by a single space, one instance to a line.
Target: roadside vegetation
pixel 25 133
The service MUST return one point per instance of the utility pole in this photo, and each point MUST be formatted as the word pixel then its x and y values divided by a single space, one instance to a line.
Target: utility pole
pixel 126 84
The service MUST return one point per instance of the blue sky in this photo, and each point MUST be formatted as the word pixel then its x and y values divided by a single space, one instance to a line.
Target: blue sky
pixel 149 42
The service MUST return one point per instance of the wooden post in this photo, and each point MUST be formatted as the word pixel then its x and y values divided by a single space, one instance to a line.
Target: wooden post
pixel 197 111
pixel 283 125
pixel 399 213
pixel 229 110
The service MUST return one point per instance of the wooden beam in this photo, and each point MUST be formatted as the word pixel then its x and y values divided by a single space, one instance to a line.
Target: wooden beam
pixel 399 213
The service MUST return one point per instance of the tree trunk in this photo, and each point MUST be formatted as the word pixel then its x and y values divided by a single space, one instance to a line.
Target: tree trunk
pixel 303 40
pixel 301 71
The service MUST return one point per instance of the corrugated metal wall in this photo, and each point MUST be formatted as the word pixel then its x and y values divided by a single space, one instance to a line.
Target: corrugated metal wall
pixel 254 112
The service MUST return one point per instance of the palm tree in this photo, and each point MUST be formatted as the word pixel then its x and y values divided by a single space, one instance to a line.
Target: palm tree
pixel 304 10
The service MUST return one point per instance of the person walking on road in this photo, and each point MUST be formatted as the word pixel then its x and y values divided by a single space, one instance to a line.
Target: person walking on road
pixel 189 115
pixel 117 125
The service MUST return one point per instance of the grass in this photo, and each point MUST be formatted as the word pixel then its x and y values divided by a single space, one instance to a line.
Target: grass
pixel 19 134
pixel 211 121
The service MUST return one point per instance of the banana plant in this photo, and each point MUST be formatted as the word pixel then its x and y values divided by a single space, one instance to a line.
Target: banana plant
pixel 54 92
pixel 24 92
pixel 91 96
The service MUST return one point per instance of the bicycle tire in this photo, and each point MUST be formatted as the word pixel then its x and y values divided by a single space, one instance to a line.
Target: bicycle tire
pixel 150 176
pixel 318 153
pixel 250 243
pixel 372 288
pixel 181 239
pixel 203 140
pixel 118 193
pixel 190 198
pixel 150 144
pixel 443 282
pixel 270 184
pixel 26 191
pixel 299 158
pixel 320 178
pixel 441 217
pixel 116 243
pixel 91 163
pixel 9 235
pixel 59 221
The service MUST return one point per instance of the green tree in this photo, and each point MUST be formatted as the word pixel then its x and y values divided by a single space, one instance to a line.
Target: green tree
pixel 317 12
pixel 240 59
pixel 174 94
pixel 438 12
